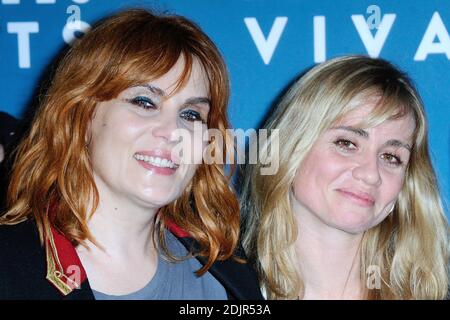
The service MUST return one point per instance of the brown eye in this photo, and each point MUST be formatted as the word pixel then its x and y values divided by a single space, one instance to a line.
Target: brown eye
pixel 391 159
pixel 345 144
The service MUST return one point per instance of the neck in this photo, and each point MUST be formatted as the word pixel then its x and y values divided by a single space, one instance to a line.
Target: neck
pixel 123 258
pixel 121 228
pixel 119 231
pixel 329 259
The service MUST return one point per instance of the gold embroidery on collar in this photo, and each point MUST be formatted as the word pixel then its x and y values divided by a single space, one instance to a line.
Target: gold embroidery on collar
pixel 55 271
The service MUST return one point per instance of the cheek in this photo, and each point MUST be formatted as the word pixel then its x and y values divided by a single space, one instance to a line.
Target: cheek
pixel 112 140
pixel 321 173
pixel 115 130
pixel 392 185
pixel 309 178
pixel 321 168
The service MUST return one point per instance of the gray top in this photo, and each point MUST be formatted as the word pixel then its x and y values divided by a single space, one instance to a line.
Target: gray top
pixel 175 280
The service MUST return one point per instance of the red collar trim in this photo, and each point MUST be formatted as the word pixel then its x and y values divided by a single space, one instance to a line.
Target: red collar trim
pixel 67 255
pixel 64 268
pixel 176 230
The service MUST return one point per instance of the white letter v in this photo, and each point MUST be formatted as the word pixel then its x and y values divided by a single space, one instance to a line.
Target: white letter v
pixel 265 47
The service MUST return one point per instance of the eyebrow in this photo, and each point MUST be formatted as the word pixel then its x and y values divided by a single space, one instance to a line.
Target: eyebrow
pixel 198 100
pixel 153 89
pixel 398 143
pixel 362 133
pixel 358 131
pixel 161 93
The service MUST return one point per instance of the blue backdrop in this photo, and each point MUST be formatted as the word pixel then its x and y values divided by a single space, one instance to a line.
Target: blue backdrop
pixel 266 44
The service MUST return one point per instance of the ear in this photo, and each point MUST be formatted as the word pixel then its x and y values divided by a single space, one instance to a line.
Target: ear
pixel 393 206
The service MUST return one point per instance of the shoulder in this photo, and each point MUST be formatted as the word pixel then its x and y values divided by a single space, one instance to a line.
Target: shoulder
pixel 23 266
pixel 18 238
pixel 23 263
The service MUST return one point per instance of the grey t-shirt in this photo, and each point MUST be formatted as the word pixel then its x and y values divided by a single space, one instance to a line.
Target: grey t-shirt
pixel 175 280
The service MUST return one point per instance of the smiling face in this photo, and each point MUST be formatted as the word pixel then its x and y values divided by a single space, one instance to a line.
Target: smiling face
pixel 132 137
pixel 352 176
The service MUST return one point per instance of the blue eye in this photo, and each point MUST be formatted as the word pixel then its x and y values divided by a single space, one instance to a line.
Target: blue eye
pixel 143 102
pixel 191 115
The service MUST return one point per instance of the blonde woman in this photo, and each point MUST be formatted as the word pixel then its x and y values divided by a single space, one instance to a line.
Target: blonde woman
pixel 354 210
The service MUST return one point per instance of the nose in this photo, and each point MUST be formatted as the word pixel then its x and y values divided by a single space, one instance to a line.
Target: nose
pixel 368 172
pixel 166 126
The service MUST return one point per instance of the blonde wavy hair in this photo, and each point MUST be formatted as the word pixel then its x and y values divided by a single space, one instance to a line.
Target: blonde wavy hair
pixel 410 246
pixel 52 165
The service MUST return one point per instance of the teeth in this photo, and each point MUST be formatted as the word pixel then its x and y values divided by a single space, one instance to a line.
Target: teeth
pixel 156 161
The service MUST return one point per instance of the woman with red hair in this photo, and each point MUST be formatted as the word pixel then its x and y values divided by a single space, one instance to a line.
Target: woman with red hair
pixel 118 213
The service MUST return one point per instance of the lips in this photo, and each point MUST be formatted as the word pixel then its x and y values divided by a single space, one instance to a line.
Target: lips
pixel 160 153
pixel 156 167
pixel 360 198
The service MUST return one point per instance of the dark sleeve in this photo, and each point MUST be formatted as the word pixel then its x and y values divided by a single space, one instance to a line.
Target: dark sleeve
pixel 23 266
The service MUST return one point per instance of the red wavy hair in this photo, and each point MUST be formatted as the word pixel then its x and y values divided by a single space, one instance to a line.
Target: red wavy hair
pixel 52 164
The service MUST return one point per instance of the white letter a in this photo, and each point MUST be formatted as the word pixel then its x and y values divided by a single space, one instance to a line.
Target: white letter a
pixel 436 28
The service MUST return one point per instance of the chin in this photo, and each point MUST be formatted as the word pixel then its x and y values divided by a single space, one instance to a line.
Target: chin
pixel 354 230
pixel 352 223
pixel 155 200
